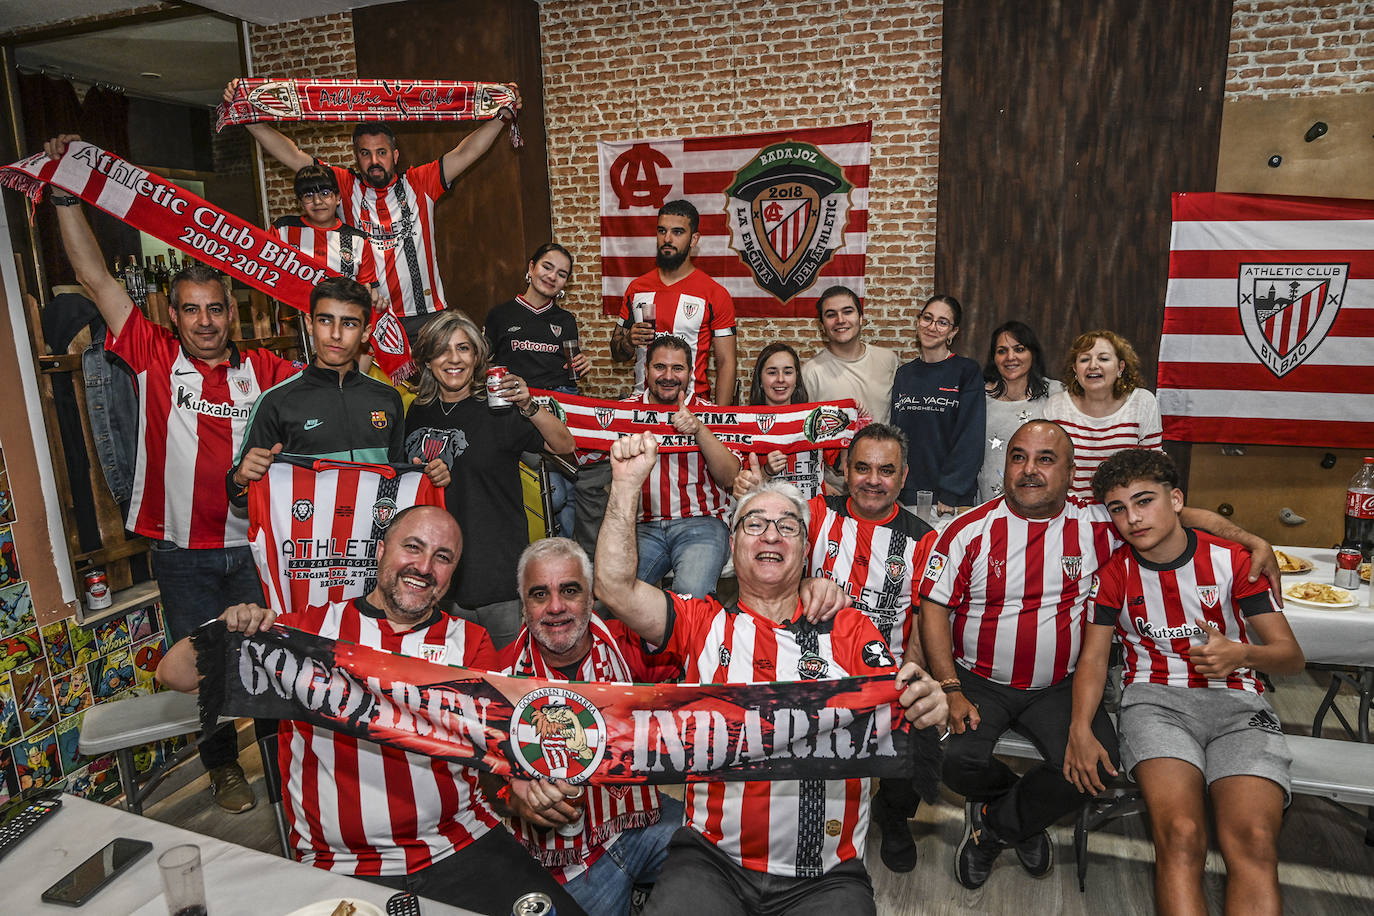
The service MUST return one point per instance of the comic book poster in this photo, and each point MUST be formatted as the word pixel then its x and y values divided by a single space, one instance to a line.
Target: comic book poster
pixel 73 691
pixel 16 609
pixel 112 675
pixel 142 622
pixel 57 645
pixel 9 559
pixel 19 650
pixel 9 713
pixel 9 780
pixel 68 740
pixel 33 696
pixel 6 500
pixel 84 647
pixel 112 635
pixel 35 761
pixel 97 782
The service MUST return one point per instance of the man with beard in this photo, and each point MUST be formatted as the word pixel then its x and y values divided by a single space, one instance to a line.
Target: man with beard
pixel 783 846
pixel 393 206
pixel 1001 623
pixel 685 499
pixel 571 828
pixel 683 301
pixel 393 817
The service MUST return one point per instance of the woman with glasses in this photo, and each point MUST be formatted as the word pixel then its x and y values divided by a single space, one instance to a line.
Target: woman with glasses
pixel 777 382
pixel 1017 392
pixel 938 401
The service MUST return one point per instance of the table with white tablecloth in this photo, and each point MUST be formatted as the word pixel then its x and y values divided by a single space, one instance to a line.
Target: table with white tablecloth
pixel 238 880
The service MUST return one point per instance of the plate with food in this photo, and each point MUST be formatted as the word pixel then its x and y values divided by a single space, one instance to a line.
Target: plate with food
pixel 336 907
pixel 1292 564
pixel 1317 594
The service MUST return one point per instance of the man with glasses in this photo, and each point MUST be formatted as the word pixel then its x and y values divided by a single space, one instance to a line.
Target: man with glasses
pixel 196 391
pixel 796 846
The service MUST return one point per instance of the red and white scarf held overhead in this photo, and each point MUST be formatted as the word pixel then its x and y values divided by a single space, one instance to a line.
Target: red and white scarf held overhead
pixel 367 100
pixel 151 204
pixel 595 424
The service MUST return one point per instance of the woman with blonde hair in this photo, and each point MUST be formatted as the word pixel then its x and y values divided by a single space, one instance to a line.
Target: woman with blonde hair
pixel 1103 407
pixel 481 443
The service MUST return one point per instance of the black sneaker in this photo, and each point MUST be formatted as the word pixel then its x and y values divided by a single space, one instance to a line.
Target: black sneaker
pixel 898 849
pixel 979 848
pixel 1036 853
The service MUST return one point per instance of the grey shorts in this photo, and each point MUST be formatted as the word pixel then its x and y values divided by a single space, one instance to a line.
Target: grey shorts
pixel 1222 732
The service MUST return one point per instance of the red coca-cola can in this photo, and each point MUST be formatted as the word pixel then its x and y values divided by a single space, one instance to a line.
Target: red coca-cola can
pixel 97 586
pixel 1348 567
pixel 495 374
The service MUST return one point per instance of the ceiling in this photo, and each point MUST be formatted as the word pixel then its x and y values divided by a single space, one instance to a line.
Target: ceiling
pixel 22 14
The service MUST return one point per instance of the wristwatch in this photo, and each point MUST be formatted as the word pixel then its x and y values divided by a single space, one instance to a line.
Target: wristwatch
pixel 64 200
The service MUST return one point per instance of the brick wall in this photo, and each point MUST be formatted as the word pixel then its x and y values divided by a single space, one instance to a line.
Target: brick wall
pixel 1310 47
pixel 321 46
pixel 630 68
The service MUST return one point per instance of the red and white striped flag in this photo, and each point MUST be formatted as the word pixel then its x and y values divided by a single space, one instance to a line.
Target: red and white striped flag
pixel 783 215
pixel 1268 321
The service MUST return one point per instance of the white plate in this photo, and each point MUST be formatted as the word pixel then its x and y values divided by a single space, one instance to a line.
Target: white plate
pixel 325 907
pixel 1348 602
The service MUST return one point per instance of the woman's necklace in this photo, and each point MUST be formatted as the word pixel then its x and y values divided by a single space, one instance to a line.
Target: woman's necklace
pixel 447 408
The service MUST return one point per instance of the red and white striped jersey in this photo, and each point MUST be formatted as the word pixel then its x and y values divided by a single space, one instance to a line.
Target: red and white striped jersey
pixel 695 308
pixel 617 655
pixel 1017 588
pixel 192 418
pixel 399 219
pixel 796 828
pixel 879 564
pixel 314 526
pixel 1095 439
pixel 681 486
pixel 346 250
pixel 1156 608
pixel 358 808
pixel 805 471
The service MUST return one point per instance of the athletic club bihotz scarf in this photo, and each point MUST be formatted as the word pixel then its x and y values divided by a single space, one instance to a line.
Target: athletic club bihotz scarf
pixel 152 204
pixel 595 424
pixel 366 100
pixel 584 732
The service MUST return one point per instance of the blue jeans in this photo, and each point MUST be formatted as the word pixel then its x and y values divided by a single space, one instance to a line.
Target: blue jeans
pixel 695 549
pixel 636 857
pixel 197 585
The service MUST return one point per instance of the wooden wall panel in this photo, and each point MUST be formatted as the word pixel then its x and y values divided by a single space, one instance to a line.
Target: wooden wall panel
pixel 498 211
pixel 1064 127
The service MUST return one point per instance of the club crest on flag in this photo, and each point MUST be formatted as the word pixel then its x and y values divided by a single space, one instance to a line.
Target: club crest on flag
pixel 764 421
pixel 1073 566
pixel 388 335
pixel 1207 594
pixel 555 408
pixel 557 734
pixel 1286 310
pixel 787 209
pixel 604 416
pixel 823 422
pixel 276 99
pixel 634 177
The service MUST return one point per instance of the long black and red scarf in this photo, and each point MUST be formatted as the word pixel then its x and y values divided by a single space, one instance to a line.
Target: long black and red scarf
pixel 599 733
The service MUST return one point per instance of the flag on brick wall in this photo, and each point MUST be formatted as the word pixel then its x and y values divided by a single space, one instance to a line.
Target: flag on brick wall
pixel 1269 321
pixel 783 215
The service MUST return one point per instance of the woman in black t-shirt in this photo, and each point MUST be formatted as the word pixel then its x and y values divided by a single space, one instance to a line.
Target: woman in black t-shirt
pixel 450 418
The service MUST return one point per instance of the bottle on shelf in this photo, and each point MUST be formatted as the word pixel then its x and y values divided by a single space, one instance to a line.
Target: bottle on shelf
pixel 164 277
pixel 134 283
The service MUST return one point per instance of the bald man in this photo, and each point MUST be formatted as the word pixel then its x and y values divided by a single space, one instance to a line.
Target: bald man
pixel 392 817
pixel 1003 598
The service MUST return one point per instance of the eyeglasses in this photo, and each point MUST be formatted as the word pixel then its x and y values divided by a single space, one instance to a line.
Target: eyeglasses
pixel 320 194
pixel 756 525
pixel 944 324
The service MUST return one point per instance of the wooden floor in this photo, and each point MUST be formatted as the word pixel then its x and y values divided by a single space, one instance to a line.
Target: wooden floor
pixel 1326 869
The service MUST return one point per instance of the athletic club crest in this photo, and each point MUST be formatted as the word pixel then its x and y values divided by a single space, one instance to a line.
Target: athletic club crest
pixel 1286 310
pixel 1207 594
pixel 388 335
pixel 764 421
pixel 1073 566
pixel 689 307
pixel 824 422
pixel 787 208
pixel 383 511
pixel 557 733
pixel 243 385
pixel 604 416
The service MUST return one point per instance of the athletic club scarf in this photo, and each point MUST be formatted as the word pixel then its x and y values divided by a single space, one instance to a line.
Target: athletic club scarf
pixel 595 424
pixel 602 663
pixel 597 733
pixel 366 100
pixel 179 218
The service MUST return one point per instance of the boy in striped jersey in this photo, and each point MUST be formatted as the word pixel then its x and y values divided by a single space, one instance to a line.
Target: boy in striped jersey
pixel 1193 722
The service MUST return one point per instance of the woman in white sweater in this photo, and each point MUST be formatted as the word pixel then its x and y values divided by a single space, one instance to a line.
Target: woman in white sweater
pixel 1017 392
pixel 1103 408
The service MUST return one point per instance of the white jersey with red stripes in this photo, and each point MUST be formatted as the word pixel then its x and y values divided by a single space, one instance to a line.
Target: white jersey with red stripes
pixel 680 485
pixel 805 471
pixel 695 308
pixel 878 564
pixel 358 808
pixel 796 828
pixel 1155 608
pixel 1017 588
pixel 399 219
pixel 1136 424
pixel 191 422
pixel 314 526
pixel 346 250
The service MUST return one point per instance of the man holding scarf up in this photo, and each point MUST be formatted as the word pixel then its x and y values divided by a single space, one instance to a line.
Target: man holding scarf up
pixel 599 841
pixel 786 846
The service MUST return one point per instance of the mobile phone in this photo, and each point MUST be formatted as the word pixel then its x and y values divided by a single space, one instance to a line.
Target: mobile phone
pixel 83 882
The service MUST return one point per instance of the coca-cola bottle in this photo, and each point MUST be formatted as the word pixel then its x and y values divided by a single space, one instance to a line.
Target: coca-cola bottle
pixel 1359 510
